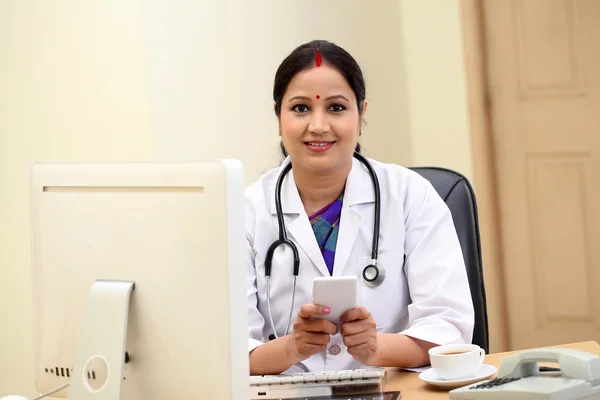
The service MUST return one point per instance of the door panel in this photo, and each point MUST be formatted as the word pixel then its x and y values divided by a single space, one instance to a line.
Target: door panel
pixel 543 64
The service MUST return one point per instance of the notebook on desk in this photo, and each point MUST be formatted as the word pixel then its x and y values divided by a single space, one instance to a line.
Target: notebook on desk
pixel 315 384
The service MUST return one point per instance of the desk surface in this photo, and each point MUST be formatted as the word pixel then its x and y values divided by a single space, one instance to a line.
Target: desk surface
pixel 414 388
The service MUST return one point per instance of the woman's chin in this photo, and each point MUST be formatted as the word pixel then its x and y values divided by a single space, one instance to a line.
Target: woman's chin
pixel 320 164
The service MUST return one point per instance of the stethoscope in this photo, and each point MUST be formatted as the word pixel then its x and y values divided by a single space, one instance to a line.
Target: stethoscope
pixel 373 274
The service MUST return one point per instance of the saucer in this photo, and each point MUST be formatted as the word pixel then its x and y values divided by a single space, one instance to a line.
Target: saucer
pixel 431 377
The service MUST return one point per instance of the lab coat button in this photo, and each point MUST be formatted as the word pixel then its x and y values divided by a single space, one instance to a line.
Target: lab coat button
pixel 335 349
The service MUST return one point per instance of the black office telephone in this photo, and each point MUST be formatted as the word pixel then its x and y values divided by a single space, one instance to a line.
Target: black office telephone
pixel 520 377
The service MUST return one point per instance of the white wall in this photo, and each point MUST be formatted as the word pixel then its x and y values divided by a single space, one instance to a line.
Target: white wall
pixel 436 89
pixel 126 80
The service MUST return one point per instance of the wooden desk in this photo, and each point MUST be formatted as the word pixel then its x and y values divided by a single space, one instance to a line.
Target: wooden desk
pixel 414 388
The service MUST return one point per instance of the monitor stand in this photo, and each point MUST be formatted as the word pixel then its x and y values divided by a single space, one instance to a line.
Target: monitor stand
pixel 100 353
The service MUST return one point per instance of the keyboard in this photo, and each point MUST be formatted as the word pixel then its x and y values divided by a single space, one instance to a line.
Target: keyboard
pixel 308 384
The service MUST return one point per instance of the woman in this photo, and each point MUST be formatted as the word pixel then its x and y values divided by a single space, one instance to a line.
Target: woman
pixel 327 201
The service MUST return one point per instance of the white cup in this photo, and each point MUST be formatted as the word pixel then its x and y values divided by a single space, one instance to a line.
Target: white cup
pixel 456 361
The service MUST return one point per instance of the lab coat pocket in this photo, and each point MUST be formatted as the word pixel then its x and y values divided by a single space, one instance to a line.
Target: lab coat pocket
pixel 387 302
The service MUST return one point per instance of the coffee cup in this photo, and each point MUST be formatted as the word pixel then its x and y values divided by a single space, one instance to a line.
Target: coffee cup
pixel 456 361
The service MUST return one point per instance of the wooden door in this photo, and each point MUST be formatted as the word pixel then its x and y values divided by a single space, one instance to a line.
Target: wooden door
pixel 543 67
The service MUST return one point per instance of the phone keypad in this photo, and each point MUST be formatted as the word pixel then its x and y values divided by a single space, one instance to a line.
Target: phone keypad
pixel 494 383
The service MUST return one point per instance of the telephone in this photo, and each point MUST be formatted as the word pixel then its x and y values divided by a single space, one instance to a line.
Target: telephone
pixel 520 377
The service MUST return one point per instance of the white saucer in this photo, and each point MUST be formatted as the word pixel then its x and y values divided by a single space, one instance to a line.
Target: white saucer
pixel 430 376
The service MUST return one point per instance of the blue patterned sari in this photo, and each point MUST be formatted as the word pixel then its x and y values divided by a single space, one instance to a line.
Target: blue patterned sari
pixel 326 225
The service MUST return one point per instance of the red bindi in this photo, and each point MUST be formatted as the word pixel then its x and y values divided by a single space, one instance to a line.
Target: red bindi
pixel 318 97
pixel 318 58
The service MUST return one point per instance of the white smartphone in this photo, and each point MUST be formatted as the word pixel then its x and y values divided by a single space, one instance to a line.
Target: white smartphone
pixel 339 293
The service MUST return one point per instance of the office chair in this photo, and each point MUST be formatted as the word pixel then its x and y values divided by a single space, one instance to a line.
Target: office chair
pixel 458 194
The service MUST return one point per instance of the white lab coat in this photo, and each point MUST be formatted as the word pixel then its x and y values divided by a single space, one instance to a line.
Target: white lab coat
pixel 425 297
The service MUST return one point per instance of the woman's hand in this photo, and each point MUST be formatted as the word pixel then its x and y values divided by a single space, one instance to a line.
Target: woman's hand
pixel 310 336
pixel 360 334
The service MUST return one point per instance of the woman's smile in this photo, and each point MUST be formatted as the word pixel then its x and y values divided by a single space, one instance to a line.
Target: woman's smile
pixel 319 146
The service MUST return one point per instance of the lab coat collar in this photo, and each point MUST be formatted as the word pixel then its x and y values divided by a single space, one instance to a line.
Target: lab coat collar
pixel 359 185
pixel 359 189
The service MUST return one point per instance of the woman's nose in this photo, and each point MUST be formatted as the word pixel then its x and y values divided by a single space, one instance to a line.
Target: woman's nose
pixel 318 123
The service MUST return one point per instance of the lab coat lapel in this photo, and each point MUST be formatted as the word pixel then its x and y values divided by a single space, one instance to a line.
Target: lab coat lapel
pixel 297 223
pixel 359 190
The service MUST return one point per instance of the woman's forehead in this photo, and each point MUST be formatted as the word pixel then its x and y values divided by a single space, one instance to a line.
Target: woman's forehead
pixel 324 78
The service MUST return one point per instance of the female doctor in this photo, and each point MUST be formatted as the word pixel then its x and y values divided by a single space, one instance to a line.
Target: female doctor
pixel 418 294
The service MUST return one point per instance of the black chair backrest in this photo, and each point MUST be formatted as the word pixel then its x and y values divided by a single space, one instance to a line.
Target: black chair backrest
pixel 458 194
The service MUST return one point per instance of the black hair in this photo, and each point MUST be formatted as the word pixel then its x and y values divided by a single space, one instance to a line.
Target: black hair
pixel 303 57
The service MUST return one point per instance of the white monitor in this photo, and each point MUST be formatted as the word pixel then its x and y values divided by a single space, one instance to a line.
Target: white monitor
pixel 174 230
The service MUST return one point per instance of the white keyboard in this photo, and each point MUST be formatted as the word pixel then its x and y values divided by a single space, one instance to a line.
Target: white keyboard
pixel 308 384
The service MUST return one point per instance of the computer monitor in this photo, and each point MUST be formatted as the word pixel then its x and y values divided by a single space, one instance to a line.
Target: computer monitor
pixel 139 270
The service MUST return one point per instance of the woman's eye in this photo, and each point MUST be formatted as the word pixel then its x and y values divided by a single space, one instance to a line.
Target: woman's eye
pixel 337 108
pixel 300 108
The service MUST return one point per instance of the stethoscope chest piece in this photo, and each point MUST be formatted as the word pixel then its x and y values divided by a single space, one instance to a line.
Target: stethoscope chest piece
pixel 373 274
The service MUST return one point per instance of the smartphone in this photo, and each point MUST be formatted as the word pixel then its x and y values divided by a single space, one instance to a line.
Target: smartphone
pixel 339 293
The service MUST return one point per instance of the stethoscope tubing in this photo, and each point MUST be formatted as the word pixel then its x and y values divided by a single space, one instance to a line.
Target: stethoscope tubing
pixel 283 240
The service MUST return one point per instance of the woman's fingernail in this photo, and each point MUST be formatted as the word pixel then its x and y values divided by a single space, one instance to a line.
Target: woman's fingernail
pixel 342 319
pixel 327 310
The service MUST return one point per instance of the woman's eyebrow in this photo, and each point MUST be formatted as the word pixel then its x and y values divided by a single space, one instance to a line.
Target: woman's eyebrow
pixel 298 98
pixel 337 96
pixel 305 98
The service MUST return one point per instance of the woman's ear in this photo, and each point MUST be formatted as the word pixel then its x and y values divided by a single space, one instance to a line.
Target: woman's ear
pixel 362 116
pixel 364 109
pixel 278 118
